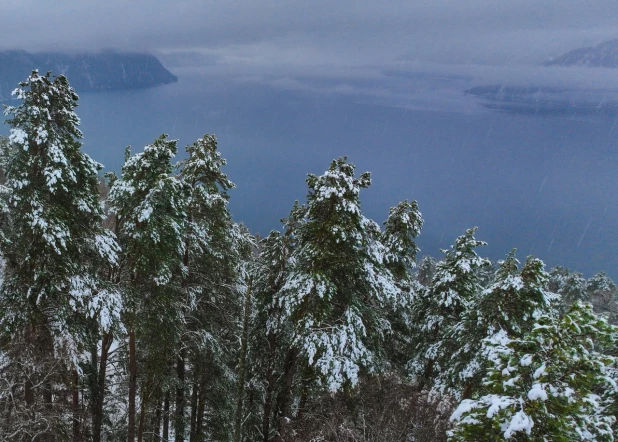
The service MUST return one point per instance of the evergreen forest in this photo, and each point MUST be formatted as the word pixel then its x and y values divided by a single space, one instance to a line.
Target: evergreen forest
pixel 134 308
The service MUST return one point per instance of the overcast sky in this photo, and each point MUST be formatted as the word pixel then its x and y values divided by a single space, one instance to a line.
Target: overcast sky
pixel 348 32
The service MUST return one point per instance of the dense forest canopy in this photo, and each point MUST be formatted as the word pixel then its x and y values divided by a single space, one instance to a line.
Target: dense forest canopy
pixel 133 307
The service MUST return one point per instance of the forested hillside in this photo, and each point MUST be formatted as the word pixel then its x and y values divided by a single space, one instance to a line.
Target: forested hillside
pixel 133 307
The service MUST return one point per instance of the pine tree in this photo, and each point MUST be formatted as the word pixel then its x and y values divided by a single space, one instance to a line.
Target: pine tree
pixel 338 283
pixel 55 242
pixel 571 286
pixel 149 204
pixel 215 289
pixel 439 309
pixel 402 226
pixel 426 270
pixel 553 384
pixel 603 294
pixel 511 303
pixel 270 336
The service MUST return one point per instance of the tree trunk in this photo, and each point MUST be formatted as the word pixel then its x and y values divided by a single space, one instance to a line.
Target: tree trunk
pixel 99 390
pixel 75 407
pixel 270 386
pixel 166 417
pixel 285 397
pixel 240 387
pixel 28 384
pixel 142 417
pixel 467 393
pixel 156 426
pixel 200 407
pixel 195 389
pixel 132 386
pixel 46 342
pixel 303 401
pixel 179 415
pixel 47 394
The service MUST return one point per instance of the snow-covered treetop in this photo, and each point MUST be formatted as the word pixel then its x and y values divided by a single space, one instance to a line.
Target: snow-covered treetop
pixel 515 298
pixel 154 162
pixel 50 172
pixel 150 205
pixel 208 222
pixel 570 285
pixel 552 384
pixel 46 124
pixel 337 186
pixel 403 225
pixel 455 281
pixel 600 283
pixel 204 165
pixel 426 270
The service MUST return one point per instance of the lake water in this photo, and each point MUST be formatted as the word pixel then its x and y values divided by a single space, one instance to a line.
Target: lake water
pixel 545 184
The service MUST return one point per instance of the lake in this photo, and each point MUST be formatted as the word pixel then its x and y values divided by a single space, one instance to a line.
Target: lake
pixel 543 183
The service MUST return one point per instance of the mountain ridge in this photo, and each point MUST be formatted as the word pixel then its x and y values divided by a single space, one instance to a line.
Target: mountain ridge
pixel 87 71
pixel 603 55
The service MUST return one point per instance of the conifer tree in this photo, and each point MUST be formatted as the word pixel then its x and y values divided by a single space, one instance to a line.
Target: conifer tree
pixel 571 286
pixel 552 384
pixel 55 241
pixel 213 281
pixel 338 283
pixel 270 337
pixel 402 226
pixel 149 204
pixel 603 295
pixel 438 310
pixel 426 270
pixel 511 303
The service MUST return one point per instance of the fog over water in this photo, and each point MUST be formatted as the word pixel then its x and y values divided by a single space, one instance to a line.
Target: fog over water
pixel 542 183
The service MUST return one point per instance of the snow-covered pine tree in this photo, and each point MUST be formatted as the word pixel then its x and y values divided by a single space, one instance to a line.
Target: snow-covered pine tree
pixel 334 293
pixel 401 228
pixel 553 384
pixel 510 303
pixel 571 286
pixel 439 309
pixel 55 244
pixel 426 270
pixel 403 225
pixel 600 285
pixel 603 295
pixel 149 204
pixel 271 338
pixel 215 288
pixel 515 298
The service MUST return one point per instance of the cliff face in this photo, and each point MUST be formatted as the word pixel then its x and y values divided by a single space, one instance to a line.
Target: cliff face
pixel 86 72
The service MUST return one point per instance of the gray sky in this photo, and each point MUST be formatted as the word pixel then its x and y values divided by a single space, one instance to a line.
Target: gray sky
pixel 342 32
pixel 343 46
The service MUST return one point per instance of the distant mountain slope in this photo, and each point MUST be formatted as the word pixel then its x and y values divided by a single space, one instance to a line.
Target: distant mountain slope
pixel 86 72
pixel 603 55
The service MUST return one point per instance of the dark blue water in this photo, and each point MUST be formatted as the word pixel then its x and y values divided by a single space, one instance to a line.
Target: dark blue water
pixel 544 184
